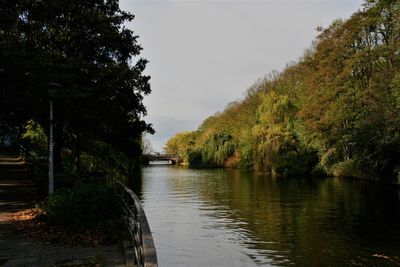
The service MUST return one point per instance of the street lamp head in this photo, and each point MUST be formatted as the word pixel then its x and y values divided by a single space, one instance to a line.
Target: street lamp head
pixel 55 84
pixel 52 90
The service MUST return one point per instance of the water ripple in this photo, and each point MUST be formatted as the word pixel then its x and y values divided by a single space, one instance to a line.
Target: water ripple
pixel 233 218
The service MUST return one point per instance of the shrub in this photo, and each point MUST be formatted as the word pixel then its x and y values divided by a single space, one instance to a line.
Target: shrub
pixel 347 168
pixel 89 207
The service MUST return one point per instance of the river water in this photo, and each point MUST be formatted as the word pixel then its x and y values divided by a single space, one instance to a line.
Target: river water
pixel 229 218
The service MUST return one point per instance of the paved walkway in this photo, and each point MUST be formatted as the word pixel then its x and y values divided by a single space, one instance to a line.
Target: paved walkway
pixel 18 193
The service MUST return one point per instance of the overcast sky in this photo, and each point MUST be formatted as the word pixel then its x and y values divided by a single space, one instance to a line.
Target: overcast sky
pixel 205 54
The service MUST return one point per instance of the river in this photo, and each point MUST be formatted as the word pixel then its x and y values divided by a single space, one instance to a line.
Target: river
pixel 223 217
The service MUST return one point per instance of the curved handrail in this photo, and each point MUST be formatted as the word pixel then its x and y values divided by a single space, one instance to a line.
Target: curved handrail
pixel 135 218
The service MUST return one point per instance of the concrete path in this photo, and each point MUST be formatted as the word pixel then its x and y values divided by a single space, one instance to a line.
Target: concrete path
pixel 18 193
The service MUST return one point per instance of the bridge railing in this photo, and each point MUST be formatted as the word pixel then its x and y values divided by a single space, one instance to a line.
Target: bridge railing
pixel 133 214
pixel 162 156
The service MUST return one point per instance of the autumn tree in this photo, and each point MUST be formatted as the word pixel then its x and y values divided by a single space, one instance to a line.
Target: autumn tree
pixel 335 111
pixel 350 106
pixel 181 144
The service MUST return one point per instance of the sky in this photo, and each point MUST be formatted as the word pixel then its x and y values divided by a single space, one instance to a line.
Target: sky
pixel 205 54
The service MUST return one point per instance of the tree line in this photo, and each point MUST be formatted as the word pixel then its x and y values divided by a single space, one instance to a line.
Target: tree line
pixel 80 55
pixel 335 111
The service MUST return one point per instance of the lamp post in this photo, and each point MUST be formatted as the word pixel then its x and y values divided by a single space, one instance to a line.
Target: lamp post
pixel 51 151
pixel 51 93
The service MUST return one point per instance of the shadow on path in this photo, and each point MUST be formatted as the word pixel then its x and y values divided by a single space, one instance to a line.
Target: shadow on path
pixel 17 192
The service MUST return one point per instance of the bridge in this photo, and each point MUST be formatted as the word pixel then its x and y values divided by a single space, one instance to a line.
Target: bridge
pixel 172 158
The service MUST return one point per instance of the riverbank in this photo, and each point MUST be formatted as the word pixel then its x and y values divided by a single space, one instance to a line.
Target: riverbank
pixel 334 111
pixel 233 163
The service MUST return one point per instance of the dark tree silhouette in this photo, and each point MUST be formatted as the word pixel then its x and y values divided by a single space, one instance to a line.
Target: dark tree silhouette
pixel 80 54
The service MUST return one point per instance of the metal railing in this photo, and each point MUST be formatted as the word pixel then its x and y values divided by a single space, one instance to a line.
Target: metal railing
pixel 133 214
pixel 162 156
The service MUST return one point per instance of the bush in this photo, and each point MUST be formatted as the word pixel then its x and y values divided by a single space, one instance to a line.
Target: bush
pixel 89 207
pixel 347 168
pixel 195 159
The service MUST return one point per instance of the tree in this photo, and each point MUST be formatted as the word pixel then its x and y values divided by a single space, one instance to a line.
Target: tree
pixel 80 54
pixel 146 146
pixel 350 110
pixel 181 144
pixel 334 111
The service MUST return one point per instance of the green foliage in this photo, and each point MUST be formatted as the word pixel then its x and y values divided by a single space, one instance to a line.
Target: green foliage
pixel 85 208
pixel 350 168
pixel 80 54
pixel 34 134
pixel 35 145
pixel 181 144
pixel 195 159
pixel 277 146
pixel 335 111
pixel 350 105
pixel 246 148
pixel 218 149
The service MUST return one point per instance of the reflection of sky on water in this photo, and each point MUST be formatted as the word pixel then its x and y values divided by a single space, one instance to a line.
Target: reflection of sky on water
pixel 184 229
pixel 233 218
pixel 160 162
